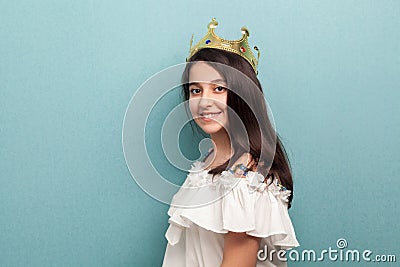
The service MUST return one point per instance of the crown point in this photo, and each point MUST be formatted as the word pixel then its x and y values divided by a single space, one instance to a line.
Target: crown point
pixel 245 31
pixel 213 24
pixel 258 52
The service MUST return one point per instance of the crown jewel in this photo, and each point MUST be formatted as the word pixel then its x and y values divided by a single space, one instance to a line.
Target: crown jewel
pixel 240 47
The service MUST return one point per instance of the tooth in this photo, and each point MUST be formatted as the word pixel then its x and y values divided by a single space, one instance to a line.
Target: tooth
pixel 210 115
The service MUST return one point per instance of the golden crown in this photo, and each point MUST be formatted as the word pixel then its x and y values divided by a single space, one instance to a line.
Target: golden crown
pixel 240 47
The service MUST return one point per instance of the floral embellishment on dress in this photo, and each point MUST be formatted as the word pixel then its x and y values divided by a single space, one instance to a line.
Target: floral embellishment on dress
pixel 257 182
pixel 239 170
pixel 254 180
pixel 198 176
pixel 278 190
pixel 199 179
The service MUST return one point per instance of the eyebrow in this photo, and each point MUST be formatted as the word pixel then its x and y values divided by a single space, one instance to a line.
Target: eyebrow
pixel 216 81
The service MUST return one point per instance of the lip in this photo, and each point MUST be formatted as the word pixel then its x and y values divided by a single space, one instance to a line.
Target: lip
pixel 209 116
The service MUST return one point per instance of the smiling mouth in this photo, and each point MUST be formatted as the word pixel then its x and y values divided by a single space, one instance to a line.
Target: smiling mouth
pixel 209 115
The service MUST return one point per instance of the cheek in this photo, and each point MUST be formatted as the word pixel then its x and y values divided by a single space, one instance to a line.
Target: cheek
pixel 193 106
pixel 224 107
pixel 221 103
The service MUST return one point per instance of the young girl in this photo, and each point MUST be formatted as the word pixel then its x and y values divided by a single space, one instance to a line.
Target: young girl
pixel 232 209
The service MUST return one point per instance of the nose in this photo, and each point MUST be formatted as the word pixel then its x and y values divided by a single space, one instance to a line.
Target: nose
pixel 206 99
pixel 205 102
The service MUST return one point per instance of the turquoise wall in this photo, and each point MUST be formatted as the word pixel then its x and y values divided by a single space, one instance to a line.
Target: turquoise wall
pixel 68 69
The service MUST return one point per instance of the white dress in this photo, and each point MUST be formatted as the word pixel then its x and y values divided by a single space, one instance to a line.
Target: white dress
pixel 206 208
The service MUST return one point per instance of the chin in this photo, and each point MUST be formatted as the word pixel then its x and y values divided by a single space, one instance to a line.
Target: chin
pixel 211 129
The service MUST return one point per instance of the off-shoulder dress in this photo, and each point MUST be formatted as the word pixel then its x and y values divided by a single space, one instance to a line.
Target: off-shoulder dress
pixel 206 207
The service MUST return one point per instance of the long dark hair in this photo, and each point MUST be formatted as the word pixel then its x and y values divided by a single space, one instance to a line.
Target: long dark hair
pixel 260 137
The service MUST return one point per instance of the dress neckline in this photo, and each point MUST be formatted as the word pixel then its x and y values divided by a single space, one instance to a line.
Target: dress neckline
pixel 198 166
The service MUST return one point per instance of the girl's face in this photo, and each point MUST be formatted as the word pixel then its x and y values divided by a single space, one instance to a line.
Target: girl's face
pixel 207 98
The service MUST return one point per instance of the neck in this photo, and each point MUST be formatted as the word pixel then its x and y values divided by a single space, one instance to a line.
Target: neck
pixel 222 145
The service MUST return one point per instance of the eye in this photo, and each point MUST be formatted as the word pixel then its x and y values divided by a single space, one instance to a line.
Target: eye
pixel 220 89
pixel 195 91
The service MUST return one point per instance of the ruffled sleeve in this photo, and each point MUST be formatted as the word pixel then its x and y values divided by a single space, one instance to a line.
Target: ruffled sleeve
pixel 227 203
pixel 258 208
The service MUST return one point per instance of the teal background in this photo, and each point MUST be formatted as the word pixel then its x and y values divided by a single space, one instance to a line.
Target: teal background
pixel 330 70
